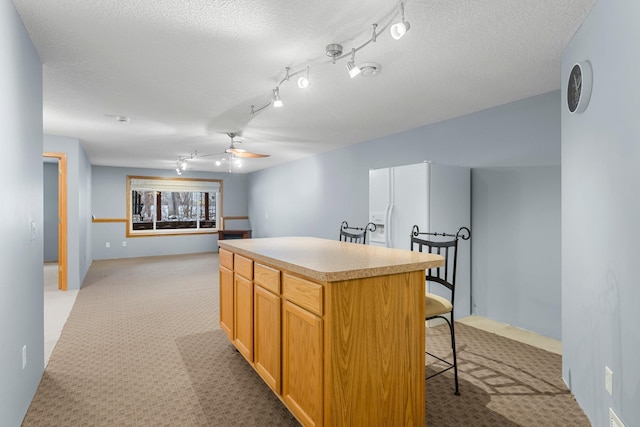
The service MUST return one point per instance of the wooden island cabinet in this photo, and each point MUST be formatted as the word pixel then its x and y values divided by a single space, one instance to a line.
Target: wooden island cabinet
pixel 335 329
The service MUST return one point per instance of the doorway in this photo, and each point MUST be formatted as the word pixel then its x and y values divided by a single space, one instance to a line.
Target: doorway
pixel 62 217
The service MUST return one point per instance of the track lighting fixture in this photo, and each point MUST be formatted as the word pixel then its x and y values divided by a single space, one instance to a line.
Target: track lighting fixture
pixel 333 51
pixel 276 101
pixel 353 69
pixel 399 29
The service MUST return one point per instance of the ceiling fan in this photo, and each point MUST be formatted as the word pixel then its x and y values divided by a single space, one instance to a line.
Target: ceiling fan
pixel 231 156
pixel 241 152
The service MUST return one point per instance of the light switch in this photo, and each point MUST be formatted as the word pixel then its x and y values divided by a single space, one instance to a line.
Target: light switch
pixel 608 380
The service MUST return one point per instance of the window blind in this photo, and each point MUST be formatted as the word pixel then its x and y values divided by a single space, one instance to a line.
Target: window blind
pixel 174 184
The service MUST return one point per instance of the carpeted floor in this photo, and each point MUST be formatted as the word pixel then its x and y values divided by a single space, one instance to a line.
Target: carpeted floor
pixel 142 347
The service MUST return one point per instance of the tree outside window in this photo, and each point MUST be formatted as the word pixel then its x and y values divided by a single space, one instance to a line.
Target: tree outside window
pixel 172 205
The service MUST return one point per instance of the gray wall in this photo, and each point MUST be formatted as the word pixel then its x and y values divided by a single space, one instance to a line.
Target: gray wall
pixel 21 303
pixel 601 217
pixel 110 201
pixel 516 215
pixel 312 196
pixel 50 189
pixel 79 255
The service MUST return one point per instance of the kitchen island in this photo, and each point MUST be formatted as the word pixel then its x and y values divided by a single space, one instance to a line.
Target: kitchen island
pixel 335 329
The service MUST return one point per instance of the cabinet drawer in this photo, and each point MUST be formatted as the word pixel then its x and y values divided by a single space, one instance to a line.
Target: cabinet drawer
pixel 267 277
pixel 226 259
pixel 243 266
pixel 306 294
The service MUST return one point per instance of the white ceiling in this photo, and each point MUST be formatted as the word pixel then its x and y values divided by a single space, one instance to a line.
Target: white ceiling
pixel 186 72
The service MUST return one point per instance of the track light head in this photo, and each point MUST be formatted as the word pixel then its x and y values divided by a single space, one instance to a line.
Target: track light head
pixel 303 81
pixel 353 69
pixel 399 29
pixel 277 102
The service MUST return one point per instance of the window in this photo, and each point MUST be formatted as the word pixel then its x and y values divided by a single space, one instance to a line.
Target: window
pixel 162 206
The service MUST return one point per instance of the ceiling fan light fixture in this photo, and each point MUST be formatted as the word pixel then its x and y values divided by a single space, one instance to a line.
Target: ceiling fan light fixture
pixel 181 165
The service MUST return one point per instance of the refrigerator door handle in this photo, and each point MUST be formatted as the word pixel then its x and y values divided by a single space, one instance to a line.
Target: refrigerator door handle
pixel 387 230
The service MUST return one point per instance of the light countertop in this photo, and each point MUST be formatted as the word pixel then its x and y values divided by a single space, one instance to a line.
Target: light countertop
pixel 330 260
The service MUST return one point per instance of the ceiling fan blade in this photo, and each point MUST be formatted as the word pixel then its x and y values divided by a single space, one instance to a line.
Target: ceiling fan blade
pixel 249 155
pixel 235 150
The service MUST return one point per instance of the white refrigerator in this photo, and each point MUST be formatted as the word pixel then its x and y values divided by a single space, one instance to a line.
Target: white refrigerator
pixel 436 198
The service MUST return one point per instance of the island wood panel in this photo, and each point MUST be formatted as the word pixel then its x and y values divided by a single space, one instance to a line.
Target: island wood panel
pixel 225 258
pixel 267 333
pixel 302 364
pixel 243 266
pixel 267 277
pixel 303 292
pixel 374 345
pixel 226 301
pixel 243 319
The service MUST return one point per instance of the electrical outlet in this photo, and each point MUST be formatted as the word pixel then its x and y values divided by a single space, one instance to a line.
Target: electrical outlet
pixel 107 245
pixel 124 244
pixel 24 356
pixel 608 380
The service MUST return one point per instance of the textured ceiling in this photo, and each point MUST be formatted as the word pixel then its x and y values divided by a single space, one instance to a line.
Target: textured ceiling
pixel 186 72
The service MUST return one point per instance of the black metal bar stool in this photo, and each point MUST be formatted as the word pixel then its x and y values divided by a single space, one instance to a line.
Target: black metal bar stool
pixel 355 234
pixel 437 306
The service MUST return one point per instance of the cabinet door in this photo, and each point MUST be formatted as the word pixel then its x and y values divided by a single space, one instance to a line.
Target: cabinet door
pixel 267 337
pixel 302 375
pixel 226 301
pixel 243 338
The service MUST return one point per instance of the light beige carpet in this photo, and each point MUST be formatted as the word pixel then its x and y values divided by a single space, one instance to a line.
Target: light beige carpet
pixel 142 347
